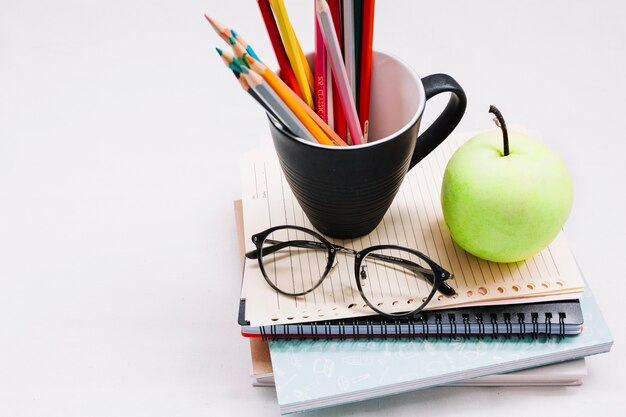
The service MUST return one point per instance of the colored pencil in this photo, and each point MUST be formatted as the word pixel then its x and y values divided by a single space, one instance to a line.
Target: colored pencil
pixel 285 115
pixel 230 61
pixel 219 28
pixel 321 99
pixel 339 119
pixel 320 130
pixel 298 64
pixel 245 44
pixel 339 71
pixel 330 113
pixel 349 54
pixel 358 32
pixel 239 51
pixel 286 72
pixel 224 33
pixel 246 87
pixel 307 67
pixel 366 66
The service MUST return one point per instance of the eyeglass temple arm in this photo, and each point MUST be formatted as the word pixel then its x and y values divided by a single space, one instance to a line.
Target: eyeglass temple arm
pixel 277 245
pixel 442 286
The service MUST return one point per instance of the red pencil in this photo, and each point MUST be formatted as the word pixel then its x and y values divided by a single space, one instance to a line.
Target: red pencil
pixel 320 75
pixel 286 73
pixel 367 37
pixel 339 118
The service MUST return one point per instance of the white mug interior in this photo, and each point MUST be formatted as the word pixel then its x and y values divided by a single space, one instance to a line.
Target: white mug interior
pixel 397 99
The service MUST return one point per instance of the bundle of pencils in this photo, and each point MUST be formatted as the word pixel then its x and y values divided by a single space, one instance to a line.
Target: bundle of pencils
pixel 308 103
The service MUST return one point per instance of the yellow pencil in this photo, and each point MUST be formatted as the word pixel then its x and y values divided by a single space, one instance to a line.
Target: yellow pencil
pixel 307 69
pixel 296 57
pixel 314 124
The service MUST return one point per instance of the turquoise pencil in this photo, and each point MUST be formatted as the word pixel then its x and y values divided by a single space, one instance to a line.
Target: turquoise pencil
pixel 245 44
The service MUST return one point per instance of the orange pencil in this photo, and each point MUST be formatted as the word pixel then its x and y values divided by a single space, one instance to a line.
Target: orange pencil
pixel 320 130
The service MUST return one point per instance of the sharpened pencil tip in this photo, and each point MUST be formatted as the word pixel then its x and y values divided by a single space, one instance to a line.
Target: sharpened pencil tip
pixel 250 59
pixel 232 31
pixel 206 16
pixel 231 40
pixel 219 51
pixel 245 70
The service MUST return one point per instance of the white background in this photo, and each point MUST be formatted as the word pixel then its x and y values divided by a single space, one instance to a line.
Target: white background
pixel 120 136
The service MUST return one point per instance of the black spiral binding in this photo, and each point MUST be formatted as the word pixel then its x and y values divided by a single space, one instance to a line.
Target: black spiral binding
pixel 432 324
pixel 370 327
pixel 342 328
pixel 508 324
pixel 452 321
pixel 494 324
pixel 535 323
pixel 397 327
pixel 411 323
pixel 466 325
pixel 438 325
pixel 522 325
pixel 481 325
pixel 562 317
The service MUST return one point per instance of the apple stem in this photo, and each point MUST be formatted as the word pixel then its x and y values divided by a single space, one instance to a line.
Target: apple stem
pixel 502 125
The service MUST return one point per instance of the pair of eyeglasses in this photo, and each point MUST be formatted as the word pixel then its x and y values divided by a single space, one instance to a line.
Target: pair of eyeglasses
pixel 394 281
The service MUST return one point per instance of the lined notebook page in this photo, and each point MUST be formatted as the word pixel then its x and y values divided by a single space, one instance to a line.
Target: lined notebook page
pixel 414 220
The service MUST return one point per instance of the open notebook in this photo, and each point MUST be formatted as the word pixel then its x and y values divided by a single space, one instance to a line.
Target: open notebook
pixel 414 220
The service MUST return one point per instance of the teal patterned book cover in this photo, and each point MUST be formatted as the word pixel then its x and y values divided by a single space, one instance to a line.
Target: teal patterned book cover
pixel 312 374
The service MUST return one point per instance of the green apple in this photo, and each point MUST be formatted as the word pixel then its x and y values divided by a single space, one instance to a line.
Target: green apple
pixel 505 205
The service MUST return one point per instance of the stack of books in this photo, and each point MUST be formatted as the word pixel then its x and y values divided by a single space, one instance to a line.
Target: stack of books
pixel 327 347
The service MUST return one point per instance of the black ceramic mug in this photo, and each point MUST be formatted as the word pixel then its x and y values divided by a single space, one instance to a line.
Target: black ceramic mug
pixel 346 191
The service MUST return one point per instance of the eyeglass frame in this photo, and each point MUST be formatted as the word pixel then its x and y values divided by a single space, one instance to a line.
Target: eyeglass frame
pixel 439 274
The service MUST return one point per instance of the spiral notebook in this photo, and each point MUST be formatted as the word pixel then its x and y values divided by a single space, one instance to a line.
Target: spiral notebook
pixel 562 318
pixel 414 220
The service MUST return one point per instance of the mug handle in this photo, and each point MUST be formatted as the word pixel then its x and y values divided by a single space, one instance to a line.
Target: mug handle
pixel 447 120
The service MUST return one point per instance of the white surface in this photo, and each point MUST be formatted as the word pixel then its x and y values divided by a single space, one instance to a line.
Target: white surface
pixel 120 134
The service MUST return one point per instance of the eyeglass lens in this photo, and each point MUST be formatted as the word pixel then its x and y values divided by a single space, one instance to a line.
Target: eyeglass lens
pixel 299 263
pixel 395 281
